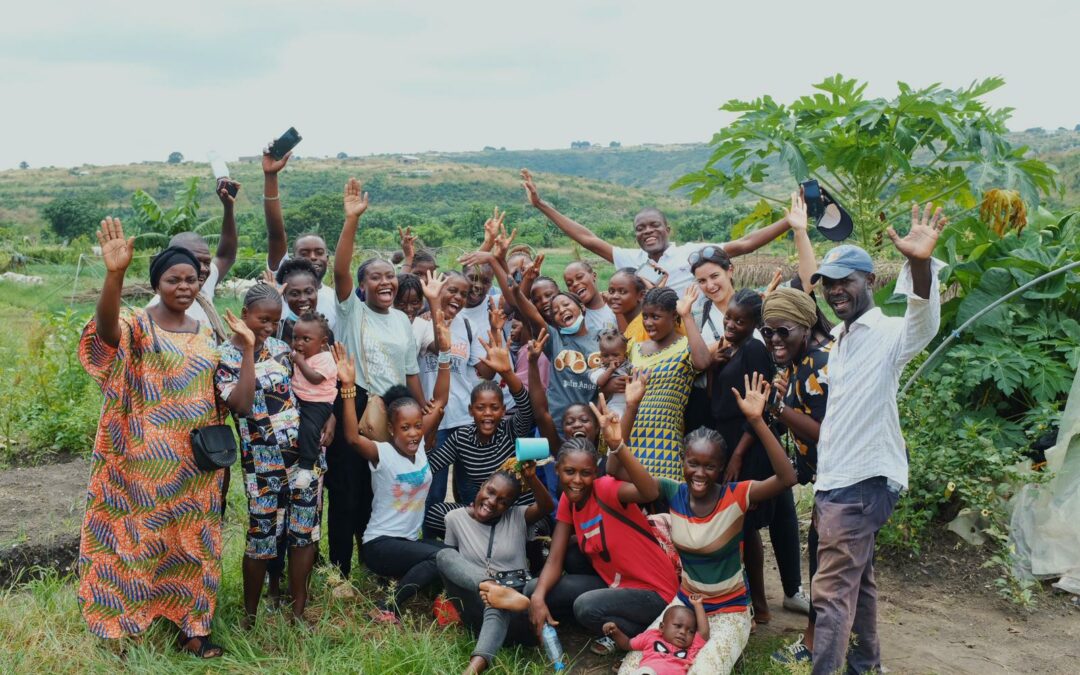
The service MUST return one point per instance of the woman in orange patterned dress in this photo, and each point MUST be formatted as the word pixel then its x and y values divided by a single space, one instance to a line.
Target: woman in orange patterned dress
pixel 151 537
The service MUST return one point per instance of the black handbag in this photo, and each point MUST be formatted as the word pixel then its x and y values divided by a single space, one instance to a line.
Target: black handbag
pixel 515 579
pixel 213 446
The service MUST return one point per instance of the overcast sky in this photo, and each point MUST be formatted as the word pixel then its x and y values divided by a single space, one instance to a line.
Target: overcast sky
pixel 110 82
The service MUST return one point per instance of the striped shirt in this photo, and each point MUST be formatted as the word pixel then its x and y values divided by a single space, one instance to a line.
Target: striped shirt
pixel 710 547
pixel 479 460
pixel 860 435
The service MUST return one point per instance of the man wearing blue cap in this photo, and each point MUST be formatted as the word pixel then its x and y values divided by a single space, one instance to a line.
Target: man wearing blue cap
pixel 862 460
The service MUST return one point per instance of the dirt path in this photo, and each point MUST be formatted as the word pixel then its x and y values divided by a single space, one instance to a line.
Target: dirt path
pixel 939 612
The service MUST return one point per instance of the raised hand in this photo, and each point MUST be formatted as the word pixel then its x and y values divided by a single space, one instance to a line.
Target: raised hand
pixel 635 386
pixel 478 258
pixel 722 352
pixel 920 241
pixel 536 346
pixel 346 365
pixel 498 356
pixel 528 471
pixel 796 215
pixel 442 328
pixel 664 276
pixel 269 279
pixel 116 251
pixel 223 194
pixel 757 395
pixel 496 316
pixel 532 271
pixel 696 600
pixel 408 242
pixel 492 225
pixel 271 165
pixel 777 277
pixel 609 423
pixel 356 200
pixel 503 241
pixel 530 188
pixel 432 285
pixel 685 306
pixel 240 328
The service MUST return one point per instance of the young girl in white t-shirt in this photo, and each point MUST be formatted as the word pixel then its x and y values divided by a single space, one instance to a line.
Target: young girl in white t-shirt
pixel 400 479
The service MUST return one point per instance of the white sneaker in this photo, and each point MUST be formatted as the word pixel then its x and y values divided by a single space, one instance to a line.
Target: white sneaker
pixel 797 603
pixel 602 646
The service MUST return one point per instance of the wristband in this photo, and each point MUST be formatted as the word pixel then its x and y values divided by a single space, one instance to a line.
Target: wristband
pixel 348 392
pixel 271 199
pixel 444 357
pixel 618 449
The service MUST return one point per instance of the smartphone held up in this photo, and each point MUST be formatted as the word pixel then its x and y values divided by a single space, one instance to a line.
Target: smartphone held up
pixel 284 143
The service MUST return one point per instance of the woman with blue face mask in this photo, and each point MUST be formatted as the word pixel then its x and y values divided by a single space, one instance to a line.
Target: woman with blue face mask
pixel 572 348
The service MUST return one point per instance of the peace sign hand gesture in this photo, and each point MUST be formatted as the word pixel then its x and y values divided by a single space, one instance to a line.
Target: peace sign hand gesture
pixel 530 188
pixel 757 395
pixel 609 423
pixel 408 242
pixel 532 271
pixel 922 238
pixel 116 251
pixel 536 345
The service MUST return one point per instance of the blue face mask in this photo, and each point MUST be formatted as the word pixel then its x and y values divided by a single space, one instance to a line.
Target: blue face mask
pixel 574 327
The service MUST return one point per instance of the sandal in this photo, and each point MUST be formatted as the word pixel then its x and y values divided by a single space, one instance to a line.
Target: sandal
pixel 204 649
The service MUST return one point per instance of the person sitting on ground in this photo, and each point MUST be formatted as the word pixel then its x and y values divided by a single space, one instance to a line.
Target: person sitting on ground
pixel 311 247
pixel 283 488
pixel 211 270
pixel 160 362
pixel 652 233
pixel 862 460
pixel 487 568
pixel 478 449
pixel 400 479
pixel 707 531
pixel 632 579
pixel 673 646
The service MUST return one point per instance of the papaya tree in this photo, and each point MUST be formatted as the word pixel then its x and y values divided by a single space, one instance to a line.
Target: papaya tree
pixel 874 155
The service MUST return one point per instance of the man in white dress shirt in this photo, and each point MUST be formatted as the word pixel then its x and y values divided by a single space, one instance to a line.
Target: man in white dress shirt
pixel 862 459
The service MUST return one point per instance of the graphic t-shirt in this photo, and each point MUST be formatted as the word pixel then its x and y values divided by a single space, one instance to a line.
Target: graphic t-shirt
pixel 400 488
pixel 571 358
pixel 598 319
pixel 620 554
pixel 274 418
pixel 464 355
pixel 383 344
pixel 710 547
pixel 808 392
pixel 664 657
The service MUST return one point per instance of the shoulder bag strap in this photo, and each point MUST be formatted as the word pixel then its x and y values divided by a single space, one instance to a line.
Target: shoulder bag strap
pixel 626 521
pixel 363 351
pixel 468 331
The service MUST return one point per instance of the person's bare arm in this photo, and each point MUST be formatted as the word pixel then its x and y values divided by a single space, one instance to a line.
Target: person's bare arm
pixel 356 202
pixel 537 394
pixel 748 243
pixel 642 487
pixel 539 615
pixel 700 354
pixel 544 503
pixel 441 394
pixel 753 408
pixel 918 245
pixel 277 244
pixel 228 242
pixel 576 231
pixel 242 396
pixel 116 253
pixel 698 603
pixel 796 217
pixel 635 391
pixel 528 310
pixel 617 636
pixel 346 366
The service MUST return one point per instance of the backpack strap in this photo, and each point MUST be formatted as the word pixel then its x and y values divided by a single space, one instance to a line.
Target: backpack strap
pixel 468 331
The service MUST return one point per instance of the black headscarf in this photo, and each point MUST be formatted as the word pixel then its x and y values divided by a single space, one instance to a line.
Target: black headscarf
pixel 173 255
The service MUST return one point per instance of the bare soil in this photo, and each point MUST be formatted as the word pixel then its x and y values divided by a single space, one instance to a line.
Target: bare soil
pixel 938 612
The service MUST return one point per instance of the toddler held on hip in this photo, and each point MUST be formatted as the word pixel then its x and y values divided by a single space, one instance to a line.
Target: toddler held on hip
pixel 613 364
pixel 315 386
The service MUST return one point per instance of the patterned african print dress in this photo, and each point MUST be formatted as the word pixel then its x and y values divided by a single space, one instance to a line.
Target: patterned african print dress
pixel 151 538
pixel 658 428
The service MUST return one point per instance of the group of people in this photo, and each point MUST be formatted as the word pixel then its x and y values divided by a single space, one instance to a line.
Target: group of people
pixel 666 402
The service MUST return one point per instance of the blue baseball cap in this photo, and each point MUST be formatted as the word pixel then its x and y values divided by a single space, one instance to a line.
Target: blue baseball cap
pixel 842 261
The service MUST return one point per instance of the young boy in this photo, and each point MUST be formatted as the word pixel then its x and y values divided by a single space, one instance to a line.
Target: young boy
pixel 671 649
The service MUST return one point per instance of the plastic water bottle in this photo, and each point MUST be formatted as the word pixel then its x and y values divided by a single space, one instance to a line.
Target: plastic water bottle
pixel 552 647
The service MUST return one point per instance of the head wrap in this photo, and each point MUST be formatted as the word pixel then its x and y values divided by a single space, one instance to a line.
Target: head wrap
pixel 173 255
pixel 790 304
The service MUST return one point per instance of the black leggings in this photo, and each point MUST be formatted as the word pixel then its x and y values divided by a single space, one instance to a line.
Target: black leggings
pixel 412 563
pixel 348 483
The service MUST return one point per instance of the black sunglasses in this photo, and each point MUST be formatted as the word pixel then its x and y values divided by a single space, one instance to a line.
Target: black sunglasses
pixel 710 253
pixel 783 331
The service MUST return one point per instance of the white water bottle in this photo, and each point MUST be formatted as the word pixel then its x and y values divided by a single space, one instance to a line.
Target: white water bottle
pixel 552 647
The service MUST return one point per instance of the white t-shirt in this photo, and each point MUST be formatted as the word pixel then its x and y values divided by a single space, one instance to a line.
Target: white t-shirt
pixel 464 355
pixel 207 291
pixel 481 324
pixel 674 261
pixel 598 319
pixel 400 488
pixel 383 344
pixel 325 304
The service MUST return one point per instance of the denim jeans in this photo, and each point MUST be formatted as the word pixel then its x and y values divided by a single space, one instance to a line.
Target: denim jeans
pixel 844 592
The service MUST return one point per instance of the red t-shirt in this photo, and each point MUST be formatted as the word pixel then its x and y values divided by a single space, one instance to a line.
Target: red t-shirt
pixel 664 657
pixel 621 555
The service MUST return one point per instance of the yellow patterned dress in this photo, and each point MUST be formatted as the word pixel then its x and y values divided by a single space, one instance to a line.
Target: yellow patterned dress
pixel 151 538
pixel 658 428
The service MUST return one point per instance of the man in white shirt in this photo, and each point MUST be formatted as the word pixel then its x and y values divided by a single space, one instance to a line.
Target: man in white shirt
pixel 653 238
pixel 311 247
pixel 862 460
pixel 211 270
